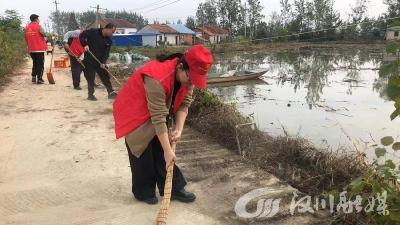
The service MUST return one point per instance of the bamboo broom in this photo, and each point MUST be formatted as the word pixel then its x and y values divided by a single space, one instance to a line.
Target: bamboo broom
pixel 163 212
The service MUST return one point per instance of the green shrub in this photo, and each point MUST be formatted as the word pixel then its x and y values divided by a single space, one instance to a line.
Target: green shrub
pixel 380 179
pixel 12 43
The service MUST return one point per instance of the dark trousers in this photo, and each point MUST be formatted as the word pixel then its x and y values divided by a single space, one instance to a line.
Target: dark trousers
pixel 76 70
pixel 90 72
pixel 149 170
pixel 38 64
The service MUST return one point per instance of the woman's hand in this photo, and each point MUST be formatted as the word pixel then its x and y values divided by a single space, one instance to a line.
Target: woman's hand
pixel 176 136
pixel 169 157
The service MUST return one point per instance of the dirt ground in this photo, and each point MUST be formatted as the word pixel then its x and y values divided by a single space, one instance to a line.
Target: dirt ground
pixel 61 164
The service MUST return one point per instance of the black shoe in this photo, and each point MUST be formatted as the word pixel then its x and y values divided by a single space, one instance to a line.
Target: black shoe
pixel 183 196
pixel 92 98
pixel 78 88
pixel 33 79
pixel 150 201
pixel 112 95
pixel 40 81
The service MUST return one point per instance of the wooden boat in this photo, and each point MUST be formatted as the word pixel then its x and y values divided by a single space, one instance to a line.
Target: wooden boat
pixel 246 75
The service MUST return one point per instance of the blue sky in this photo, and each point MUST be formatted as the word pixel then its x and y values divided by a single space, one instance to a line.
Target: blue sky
pixel 178 10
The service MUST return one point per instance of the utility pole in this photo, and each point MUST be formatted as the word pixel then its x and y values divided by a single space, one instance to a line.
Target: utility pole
pixel 57 18
pixel 98 14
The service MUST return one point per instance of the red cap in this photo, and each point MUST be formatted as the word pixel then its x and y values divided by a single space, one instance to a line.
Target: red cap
pixel 199 60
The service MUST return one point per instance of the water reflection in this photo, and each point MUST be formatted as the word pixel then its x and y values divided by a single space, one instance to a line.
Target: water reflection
pixel 334 97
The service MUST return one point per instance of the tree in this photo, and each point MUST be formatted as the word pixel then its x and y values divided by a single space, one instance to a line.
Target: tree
pixel 255 16
pixel 190 23
pixel 393 9
pixel 230 15
pixel 179 21
pixel 11 21
pixel 206 13
pixel 72 24
pixel 86 18
pixel 359 10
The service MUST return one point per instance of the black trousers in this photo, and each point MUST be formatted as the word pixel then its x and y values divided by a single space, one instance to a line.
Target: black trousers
pixel 149 170
pixel 38 64
pixel 90 72
pixel 76 70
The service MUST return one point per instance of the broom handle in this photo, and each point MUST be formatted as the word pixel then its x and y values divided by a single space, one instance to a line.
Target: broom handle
pixel 163 212
pixel 51 61
pixel 77 59
pixel 109 73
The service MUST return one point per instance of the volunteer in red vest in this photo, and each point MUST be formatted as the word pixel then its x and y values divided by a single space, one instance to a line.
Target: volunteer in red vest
pixel 75 50
pixel 140 113
pixel 36 44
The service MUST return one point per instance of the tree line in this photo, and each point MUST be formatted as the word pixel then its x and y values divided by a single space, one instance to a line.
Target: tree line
pixel 64 21
pixel 298 20
pixel 302 20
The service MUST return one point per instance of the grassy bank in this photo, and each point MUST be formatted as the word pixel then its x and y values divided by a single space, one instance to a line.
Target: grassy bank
pixel 294 160
pixel 12 44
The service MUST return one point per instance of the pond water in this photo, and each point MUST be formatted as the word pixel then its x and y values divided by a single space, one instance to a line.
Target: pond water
pixel 336 98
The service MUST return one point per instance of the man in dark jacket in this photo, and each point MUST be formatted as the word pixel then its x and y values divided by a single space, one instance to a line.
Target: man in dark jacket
pixel 98 42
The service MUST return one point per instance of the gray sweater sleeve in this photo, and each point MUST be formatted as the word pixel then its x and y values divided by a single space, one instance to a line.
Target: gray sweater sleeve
pixel 71 34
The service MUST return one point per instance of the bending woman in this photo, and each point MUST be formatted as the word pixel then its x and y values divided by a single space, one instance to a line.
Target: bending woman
pixel 140 113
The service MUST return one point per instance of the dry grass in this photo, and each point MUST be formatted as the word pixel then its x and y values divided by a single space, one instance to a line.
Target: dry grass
pixel 294 160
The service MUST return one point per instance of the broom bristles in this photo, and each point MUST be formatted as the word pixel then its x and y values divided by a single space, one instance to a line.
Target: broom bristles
pixel 163 212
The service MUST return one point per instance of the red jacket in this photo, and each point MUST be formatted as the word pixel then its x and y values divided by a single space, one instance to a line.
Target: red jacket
pixel 130 106
pixel 34 40
pixel 76 47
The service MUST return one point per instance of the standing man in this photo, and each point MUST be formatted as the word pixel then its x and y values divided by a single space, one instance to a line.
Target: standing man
pixel 36 43
pixel 98 42
pixel 75 50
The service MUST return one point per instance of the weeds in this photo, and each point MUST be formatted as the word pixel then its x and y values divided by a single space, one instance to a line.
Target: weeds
pixel 12 43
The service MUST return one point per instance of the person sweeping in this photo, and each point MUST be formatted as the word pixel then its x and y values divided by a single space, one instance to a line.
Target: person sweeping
pixel 75 50
pixel 97 44
pixel 161 88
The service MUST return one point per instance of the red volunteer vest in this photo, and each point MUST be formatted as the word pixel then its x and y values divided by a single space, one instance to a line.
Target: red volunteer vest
pixel 76 47
pixel 34 40
pixel 130 106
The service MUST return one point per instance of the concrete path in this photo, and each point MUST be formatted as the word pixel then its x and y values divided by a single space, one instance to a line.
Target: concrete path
pixel 61 164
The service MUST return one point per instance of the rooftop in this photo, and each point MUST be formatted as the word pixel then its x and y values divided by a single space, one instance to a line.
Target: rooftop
pixel 182 29
pixel 162 28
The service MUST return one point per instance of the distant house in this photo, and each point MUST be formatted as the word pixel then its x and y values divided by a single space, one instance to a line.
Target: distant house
pixel 123 26
pixel 135 39
pixel 186 35
pixel 393 33
pixel 211 34
pixel 167 36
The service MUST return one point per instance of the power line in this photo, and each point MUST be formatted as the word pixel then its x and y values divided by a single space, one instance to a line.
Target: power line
pixel 162 6
pixel 98 14
pixel 151 4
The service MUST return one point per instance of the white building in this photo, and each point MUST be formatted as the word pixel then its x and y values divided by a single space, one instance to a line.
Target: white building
pixel 167 35
pixel 393 33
